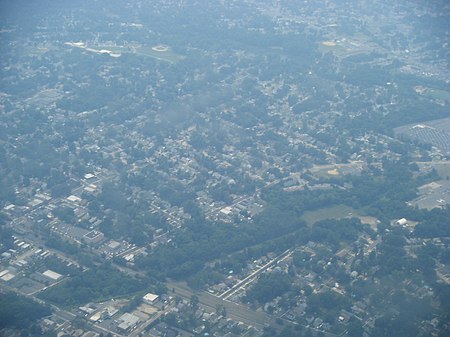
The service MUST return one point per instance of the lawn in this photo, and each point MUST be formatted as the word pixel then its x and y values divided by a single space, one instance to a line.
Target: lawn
pixel 334 212
pixel 438 94
pixel 166 55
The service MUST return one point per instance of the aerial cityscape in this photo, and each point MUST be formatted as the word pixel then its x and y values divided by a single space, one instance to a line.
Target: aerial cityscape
pixel 266 168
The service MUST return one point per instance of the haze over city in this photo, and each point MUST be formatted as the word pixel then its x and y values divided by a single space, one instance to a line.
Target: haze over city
pixel 224 168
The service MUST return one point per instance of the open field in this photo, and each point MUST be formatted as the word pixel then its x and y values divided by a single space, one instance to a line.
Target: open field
pixel 358 44
pixel 437 94
pixel 165 55
pixel 162 53
pixel 326 172
pixel 337 49
pixel 336 170
pixel 38 51
pixel 334 212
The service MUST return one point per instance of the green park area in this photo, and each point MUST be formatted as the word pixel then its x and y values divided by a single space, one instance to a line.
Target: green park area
pixel 437 94
pixel 342 48
pixel 333 212
pixel 159 53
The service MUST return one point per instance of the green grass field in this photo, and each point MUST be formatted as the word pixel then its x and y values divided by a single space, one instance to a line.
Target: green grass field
pixel 338 50
pixel 168 55
pixel 437 94
pixel 358 44
pixel 327 173
pixel 334 212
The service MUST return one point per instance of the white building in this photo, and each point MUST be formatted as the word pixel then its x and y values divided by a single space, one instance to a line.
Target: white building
pixel 402 222
pixel 53 275
pixel 150 298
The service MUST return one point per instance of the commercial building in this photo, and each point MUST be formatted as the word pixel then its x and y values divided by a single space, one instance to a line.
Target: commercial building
pixel 150 298
pixel 127 321
pixel 93 237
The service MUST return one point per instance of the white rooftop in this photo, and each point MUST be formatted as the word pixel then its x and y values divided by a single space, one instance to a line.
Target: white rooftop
pixel 73 198
pixel 150 297
pixel 51 274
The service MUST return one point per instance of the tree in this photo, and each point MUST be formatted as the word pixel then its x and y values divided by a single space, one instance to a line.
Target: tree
pixel 194 302
pixel 65 214
pixel 221 310
pixel 325 301
pixel 268 287
pixel 171 319
pixel 355 328
pixel 20 312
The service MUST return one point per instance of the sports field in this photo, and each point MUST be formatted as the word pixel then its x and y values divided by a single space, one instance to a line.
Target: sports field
pixel 433 93
pixel 159 53
pixel 334 212
pixel 358 44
